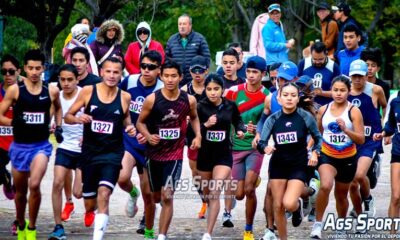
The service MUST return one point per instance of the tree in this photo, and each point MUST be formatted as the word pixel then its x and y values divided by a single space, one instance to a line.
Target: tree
pixel 49 17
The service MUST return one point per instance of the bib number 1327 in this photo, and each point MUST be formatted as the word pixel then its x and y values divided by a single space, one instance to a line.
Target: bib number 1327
pixel 169 133
pixel 102 127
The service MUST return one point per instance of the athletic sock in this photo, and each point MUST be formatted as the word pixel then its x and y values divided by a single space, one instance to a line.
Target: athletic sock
pixel 249 227
pixel 31 229
pixel 134 192
pixel 272 229
pixel 149 233
pixel 100 226
pixel 161 237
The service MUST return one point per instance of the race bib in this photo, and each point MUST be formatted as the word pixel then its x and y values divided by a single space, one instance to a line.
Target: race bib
pixel 169 133
pixel 317 82
pixel 102 127
pixel 285 138
pixel 337 139
pixel 398 127
pixel 367 131
pixel 215 136
pixel 6 131
pixel 34 117
pixel 136 107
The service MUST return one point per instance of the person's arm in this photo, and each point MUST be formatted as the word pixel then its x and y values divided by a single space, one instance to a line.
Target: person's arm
pixel 195 123
pixel 357 135
pixel 265 114
pixel 126 100
pixel 55 99
pixel 160 49
pixel 321 112
pixel 381 98
pixel 393 96
pixel 269 41
pixel 331 36
pixel 266 132
pixel 312 127
pixel 81 101
pixel 204 49
pixel 237 120
pixel 168 52
pixel 129 59
pixel 8 100
pixel 152 139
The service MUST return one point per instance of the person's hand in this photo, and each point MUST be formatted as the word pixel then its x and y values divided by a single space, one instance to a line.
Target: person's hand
pixel 196 143
pixel 269 150
pixel 290 43
pixel 131 130
pixel 341 124
pixel 317 91
pixel 251 128
pixel 84 118
pixel 141 139
pixel 58 134
pixel 255 141
pixel 212 120
pixel 313 160
pixel 153 139
pixel 387 140
pixel 240 134
pixel 378 136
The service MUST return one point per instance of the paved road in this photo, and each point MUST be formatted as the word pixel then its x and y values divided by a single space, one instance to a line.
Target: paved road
pixel 184 225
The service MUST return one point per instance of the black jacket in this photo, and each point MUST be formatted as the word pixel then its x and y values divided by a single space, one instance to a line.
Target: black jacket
pixel 196 45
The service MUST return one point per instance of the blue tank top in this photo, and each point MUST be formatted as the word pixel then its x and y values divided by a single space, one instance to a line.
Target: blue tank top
pixel 371 116
pixel 275 106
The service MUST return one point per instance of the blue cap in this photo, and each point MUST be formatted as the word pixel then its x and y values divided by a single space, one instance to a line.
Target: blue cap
pixel 257 62
pixel 358 67
pixel 199 61
pixel 274 7
pixel 288 70
pixel 305 80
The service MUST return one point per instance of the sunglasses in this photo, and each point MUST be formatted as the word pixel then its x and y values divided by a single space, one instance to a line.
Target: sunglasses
pixel 197 70
pixel 11 72
pixel 148 66
pixel 143 31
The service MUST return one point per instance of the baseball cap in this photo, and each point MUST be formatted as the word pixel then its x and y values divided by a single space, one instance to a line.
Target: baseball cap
pixel 342 7
pixel 323 6
pixel 304 81
pixel 257 62
pixel 358 67
pixel 274 7
pixel 199 62
pixel 79 29
pixel 288 70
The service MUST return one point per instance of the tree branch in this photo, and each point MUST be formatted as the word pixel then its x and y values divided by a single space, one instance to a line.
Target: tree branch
pixel 378 14
pixel 301 19
pixel 244 14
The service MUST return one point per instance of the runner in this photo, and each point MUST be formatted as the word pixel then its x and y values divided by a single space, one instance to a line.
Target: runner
pixel 164 127
pixel 247 161
pixel 230 59
pixel 342 127
pixel 10 69
pixel 30 151
pixel 288 165
pixel 392 126
pixel 105 116
pixel 367 96
pixel 198 71
pixel 139 86
pixel 215 161
pixel 68 152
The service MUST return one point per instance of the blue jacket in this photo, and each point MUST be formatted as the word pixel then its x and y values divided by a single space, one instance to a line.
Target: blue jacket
pixel 392 126
pixel 274 42
pixel 345 57
pixel 196 45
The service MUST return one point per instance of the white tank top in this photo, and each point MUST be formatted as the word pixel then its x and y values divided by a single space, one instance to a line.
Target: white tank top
pixel 72 133
pixel 332 134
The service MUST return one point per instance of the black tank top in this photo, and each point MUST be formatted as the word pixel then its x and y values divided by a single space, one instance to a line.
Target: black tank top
pixel 192 92
pixel 103 135
pixel 168 120
pixel 35 110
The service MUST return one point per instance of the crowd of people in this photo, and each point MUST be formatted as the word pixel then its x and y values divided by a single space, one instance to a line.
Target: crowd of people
pixel 321 120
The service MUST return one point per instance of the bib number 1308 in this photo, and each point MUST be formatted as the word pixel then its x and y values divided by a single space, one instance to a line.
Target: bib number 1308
pixel 169 133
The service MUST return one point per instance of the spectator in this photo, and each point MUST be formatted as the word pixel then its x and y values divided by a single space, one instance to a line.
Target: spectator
pixel 185 45
pixel 108 41
pixel 322 70
pixel 329 28
pixel 98 20
pixel 351 38
pixel 241 66
pixel 256 40
pixel 276 47
pixel 270 81
pixel 142 45
pixel 230 60
pixel 83 20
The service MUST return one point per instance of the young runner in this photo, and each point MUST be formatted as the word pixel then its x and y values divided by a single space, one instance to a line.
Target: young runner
pixel 106 113
pixel 162 122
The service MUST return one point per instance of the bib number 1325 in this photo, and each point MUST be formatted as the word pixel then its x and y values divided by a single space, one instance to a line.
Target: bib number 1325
pixel 169 133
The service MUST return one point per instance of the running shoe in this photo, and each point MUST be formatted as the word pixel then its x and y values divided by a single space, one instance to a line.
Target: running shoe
pixel 316 230
pixel 258 181
pixel 298 215
pixel 314 185
pixel 14 227
pixel 353 213
pixel 58 233
pixel 203 210
pixel 248 235
pixel 89 218
pixel 131 207
pixel 206 236
pixel 306 207
pixel 142 226
pixel 30 234
pixel 227 220
pixel 21 233
pixel 369 207
pixel 149 234
pixel 359 229
pixel 8 188
pixel 288 215
pixel 269 235
pixel 311 215
pixel 69 209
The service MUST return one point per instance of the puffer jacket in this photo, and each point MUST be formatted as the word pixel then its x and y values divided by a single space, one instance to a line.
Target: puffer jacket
pixel 196 45
pixel 256 39
pixel 102 44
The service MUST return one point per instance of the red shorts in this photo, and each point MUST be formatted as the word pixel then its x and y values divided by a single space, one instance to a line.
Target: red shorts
pixel 192 154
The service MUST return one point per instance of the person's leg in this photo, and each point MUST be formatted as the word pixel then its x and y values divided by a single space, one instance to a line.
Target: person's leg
pixel 278 188
pixel 359 183
pixel 251 198
pixel 38 169
pixel 77 188
pixel 149 205
pixel 21 190
pixel 101 218
pixel 327 174
pixel 60 174
pixel 68 186
pixel 342 202
pixel 394 207
pixel 125 183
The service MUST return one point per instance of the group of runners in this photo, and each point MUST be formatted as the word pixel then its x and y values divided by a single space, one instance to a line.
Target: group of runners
pixel 106 128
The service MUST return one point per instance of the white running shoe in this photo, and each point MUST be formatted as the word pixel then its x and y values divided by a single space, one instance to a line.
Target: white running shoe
pixel 316 230
pixel 269 235
pixel 369 207
pixel 206 236
pixel 131 207
pixel 314 184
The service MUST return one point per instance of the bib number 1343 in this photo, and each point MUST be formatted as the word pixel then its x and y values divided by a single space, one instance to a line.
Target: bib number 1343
pixel 285 138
